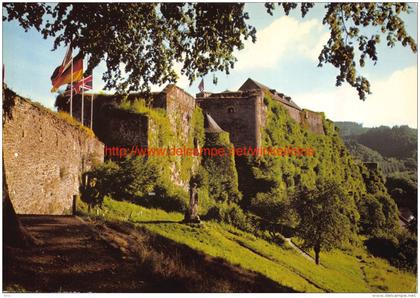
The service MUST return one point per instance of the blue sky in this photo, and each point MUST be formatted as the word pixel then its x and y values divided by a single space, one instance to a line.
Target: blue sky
pixel 284 57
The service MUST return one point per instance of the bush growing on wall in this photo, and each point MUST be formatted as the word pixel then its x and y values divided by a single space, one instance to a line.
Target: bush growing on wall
pixel 222 174
pixel 166 134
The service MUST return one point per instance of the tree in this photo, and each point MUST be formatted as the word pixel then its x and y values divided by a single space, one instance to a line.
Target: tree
pixel 148 38
pixel 372 218
pixel 275 212
pixel 327 217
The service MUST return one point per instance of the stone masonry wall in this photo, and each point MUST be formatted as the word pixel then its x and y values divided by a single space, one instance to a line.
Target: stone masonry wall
pixel 117 127
pixel 312 121
pixel 239 113
pixel 44 157
pixel 293 113
pixel 179 108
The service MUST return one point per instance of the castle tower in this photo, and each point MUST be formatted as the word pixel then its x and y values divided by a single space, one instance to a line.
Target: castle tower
pixel 239 113
pixel 243 113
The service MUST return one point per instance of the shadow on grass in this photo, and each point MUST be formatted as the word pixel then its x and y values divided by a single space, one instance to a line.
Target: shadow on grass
pixel 74 258
pixel 157 221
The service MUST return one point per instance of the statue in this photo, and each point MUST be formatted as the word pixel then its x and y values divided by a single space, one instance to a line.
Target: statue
pixel 191 215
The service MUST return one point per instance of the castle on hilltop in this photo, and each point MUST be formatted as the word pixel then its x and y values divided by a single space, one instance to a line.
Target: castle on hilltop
pixel 242 113
pixel 45 153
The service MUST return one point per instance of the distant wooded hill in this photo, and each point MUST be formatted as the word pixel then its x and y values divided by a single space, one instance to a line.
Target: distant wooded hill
pixel 395 151
pixel 399 141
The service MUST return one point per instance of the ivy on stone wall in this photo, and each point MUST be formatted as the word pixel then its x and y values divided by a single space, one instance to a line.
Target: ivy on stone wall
pixel 278 177
pixel 222 174
pixel 172 172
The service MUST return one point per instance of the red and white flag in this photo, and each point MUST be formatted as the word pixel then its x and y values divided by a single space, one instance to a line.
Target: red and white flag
pixel 78 87
pixel 84 84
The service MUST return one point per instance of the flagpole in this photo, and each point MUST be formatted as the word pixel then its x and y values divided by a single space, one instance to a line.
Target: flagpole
pixel 83 107
pixel 71 90
pixel 91 104
pixel 91 110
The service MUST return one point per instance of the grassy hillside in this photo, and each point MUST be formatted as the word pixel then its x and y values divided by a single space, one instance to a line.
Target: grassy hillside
pixel 340 271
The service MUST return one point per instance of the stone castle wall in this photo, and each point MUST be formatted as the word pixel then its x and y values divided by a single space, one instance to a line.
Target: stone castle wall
pixel 117 127
pixel 312 121
pixel 238 113
pixel 44 157
pixel 295 114
pixel 179 106
pixel 243 115
pixel 308 119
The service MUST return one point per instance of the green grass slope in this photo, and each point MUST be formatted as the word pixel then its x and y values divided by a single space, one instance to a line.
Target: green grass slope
pixel 350 271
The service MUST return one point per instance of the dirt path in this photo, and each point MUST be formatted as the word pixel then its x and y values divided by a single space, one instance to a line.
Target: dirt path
pixel 299 250
pixel 100 257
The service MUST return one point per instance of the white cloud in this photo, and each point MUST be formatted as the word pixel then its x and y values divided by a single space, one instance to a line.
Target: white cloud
pixel 285 37
pixel 311 50
pixel 183 81
pixel 393 101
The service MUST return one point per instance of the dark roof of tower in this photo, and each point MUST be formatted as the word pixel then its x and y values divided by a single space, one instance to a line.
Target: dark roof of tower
pixel 210 125
pixel 276 95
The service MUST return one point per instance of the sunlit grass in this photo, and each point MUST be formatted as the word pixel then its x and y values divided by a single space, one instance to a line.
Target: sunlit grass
pixel 340 271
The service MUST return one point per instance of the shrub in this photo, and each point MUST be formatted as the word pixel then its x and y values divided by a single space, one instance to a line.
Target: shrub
pixel 229 213
pixel 102 181
pixel 167 198
pixel 401 252
pixel 382 246
pixel 141 181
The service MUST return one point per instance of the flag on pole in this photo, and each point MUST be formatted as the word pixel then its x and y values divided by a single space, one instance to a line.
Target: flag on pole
pixel 64 65
pixel 84 84
pixel 69 75
pixel 201 86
